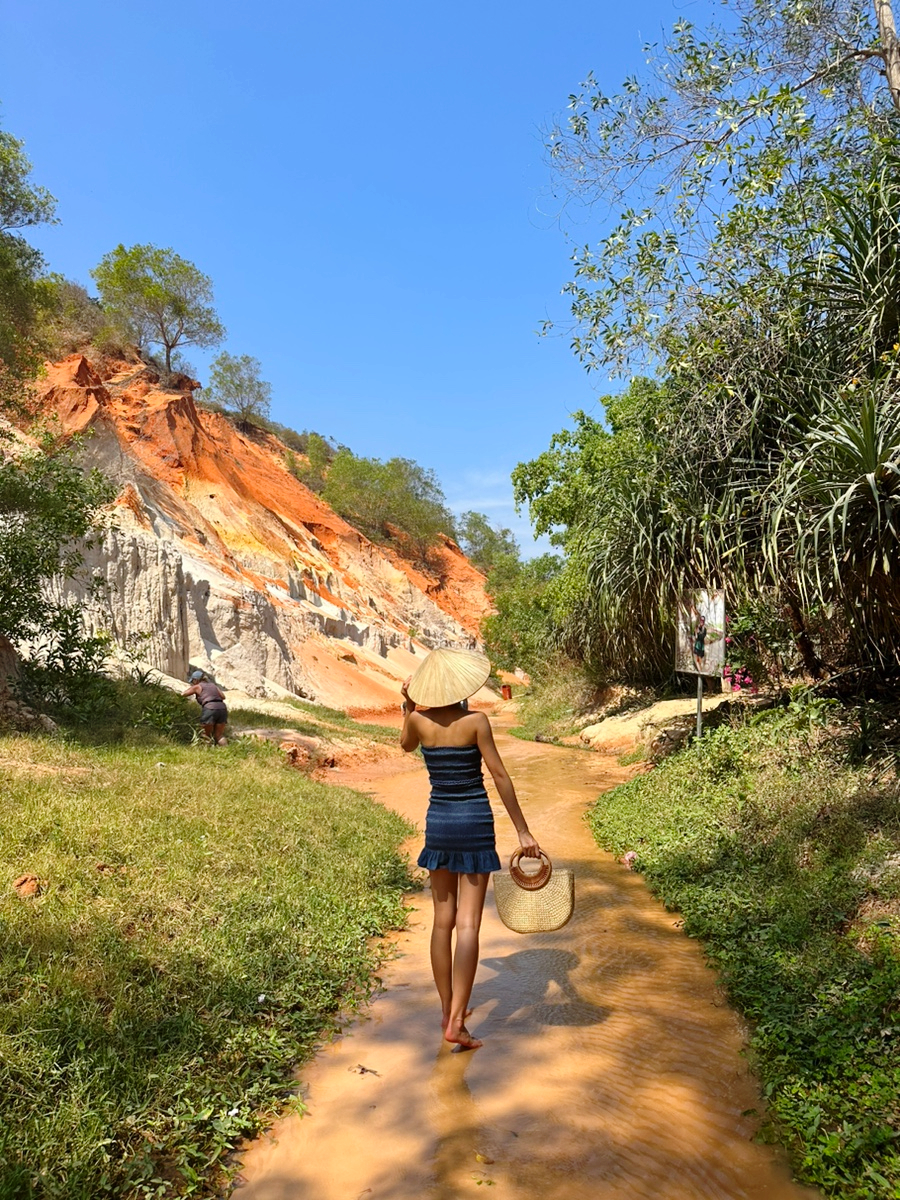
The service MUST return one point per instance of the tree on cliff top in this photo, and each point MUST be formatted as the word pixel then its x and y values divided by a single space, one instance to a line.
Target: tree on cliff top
pixel 158 297
pixel 234 383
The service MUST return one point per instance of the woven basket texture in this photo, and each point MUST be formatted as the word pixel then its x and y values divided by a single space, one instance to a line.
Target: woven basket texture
pixel 541 911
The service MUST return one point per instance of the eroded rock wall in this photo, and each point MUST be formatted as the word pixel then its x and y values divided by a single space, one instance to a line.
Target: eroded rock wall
pixel 230 564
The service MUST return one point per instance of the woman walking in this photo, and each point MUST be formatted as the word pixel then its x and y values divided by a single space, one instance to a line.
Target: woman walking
pixel 459 852
pixel 213 713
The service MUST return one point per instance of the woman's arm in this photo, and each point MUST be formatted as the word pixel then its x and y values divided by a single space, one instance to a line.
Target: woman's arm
pixel 194 690
pixel 409 737
pixel 507 792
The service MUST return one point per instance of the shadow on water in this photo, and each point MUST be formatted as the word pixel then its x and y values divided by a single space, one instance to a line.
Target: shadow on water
pixel 535 988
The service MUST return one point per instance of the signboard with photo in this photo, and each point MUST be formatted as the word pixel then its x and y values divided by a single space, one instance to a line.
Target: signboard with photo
pixel 700 638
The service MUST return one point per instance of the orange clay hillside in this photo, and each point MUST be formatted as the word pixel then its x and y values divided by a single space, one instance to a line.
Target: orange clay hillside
pixel 217 557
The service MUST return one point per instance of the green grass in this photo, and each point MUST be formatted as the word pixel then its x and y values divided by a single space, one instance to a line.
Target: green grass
pixel 205 916
pixel 334 718
pixel 317 721
pixel 244 718
pixel 773 847
pixel 551 706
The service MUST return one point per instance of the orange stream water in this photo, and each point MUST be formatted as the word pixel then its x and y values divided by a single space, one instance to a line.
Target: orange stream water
pixel 611 1066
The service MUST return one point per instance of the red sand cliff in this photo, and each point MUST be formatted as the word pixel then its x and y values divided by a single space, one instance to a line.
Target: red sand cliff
pixel 227 503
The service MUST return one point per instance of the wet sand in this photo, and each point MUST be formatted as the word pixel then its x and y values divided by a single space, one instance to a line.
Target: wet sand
pixel 611 1067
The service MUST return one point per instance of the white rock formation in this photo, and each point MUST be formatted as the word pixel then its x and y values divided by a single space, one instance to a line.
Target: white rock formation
pixel 219 559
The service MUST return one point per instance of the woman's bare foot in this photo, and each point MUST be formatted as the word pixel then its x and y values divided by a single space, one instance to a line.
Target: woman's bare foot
pixel 457 1033
pixel 445 1019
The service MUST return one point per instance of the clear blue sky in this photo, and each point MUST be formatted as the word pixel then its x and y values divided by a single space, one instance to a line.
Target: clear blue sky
pixel 365 184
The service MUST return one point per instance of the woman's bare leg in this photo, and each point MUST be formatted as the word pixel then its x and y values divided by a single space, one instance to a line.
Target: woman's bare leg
pixel 219 734
pixel 444 885
pixel 207 732
pixel 469 908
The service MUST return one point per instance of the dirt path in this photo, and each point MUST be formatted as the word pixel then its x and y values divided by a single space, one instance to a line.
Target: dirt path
pixel 611 1065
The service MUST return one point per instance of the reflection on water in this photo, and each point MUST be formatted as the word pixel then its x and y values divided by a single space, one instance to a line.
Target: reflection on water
pixel 457 1126
pixel 611 1067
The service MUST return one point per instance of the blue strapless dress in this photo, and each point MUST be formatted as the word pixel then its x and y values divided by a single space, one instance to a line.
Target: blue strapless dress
pixel 459 826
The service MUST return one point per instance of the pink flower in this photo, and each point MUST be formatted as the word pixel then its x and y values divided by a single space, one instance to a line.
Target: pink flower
pixel 629 858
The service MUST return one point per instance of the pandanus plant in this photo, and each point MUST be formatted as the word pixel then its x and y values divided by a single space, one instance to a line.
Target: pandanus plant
pixel 839 489
pixel 858 273
pixel 841 498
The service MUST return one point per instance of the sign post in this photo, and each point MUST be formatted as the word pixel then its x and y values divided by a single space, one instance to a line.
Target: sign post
pixel 700 640
pixel 699 706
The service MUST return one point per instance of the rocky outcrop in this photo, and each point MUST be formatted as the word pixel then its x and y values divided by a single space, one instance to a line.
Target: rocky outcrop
pixel 216 556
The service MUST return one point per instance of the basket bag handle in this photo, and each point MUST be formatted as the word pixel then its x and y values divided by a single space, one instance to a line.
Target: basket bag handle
pixel 531 882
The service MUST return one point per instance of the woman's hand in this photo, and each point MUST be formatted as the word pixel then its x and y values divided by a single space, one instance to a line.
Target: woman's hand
pixel 409 738
pixel 530 848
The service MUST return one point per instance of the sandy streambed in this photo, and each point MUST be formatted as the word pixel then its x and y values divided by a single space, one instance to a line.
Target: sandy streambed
pixel 611 1067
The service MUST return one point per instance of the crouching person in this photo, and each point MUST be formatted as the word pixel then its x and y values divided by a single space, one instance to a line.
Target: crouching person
pixel 213 713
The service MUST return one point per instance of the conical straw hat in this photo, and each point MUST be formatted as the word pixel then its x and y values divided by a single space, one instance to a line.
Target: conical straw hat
pixel 448 676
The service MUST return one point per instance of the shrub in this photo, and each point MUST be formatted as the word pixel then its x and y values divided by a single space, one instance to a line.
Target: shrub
pixel 75 320
pixel 398 493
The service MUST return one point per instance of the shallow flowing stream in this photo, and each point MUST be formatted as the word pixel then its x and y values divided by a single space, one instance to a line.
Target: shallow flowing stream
pixel 611 1066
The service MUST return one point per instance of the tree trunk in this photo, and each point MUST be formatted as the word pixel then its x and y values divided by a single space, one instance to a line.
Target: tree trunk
pixel 9 663
pixel 168 359
pixel 802 640
pixel 890 47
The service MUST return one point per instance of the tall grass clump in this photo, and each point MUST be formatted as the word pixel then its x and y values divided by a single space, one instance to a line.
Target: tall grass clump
pixel 783 858
pixel 202 917
pixel 551 705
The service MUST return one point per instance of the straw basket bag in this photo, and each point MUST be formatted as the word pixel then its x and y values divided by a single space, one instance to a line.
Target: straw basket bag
pixel 534 903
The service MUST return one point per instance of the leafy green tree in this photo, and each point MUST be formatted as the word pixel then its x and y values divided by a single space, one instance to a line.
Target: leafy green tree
pixel 521 632
pixel 159 298
pixel 22 203
pixel 767 462
pixel 235 384
pixel 720 157
pixel 320 452
pixel 607 495
pixel 484 544
pixel 756 266
pixel 24 296
pixel 48 505
pixel 48 508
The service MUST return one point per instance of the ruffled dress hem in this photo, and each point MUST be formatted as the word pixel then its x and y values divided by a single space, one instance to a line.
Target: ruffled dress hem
pixel 464 862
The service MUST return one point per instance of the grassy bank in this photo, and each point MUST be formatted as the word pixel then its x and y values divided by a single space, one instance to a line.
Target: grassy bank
pixel 314 720
pixel 552 707
pixel 203 916
pixel 784 857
